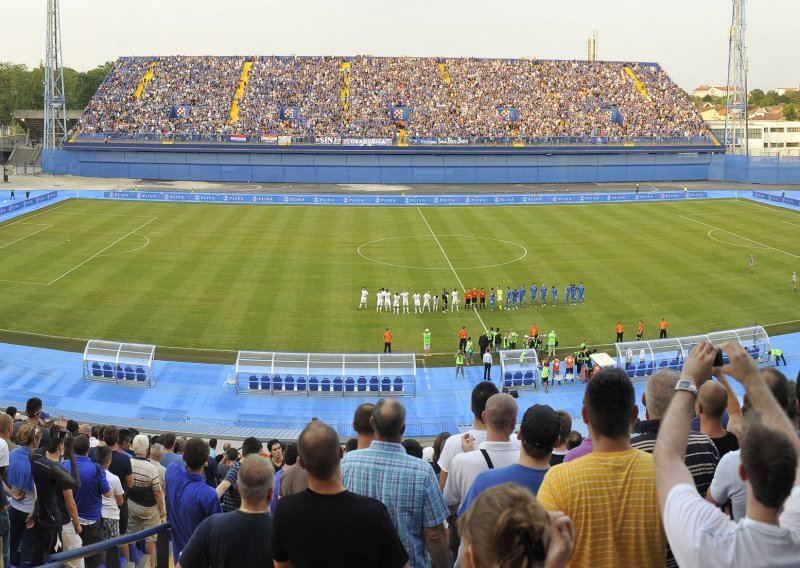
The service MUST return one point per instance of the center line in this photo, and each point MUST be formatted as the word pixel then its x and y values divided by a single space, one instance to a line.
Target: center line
pixel 450 264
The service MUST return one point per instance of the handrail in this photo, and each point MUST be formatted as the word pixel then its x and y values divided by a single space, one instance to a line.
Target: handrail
pixel 162 548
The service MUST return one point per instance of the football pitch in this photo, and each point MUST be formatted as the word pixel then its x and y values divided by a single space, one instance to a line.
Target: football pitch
pixel 200 280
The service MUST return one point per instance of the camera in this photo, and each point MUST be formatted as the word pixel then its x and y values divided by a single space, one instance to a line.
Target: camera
pixel 718 360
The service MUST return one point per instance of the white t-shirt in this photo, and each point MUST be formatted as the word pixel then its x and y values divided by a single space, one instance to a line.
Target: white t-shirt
pixel 416 299
pixel 404 295
pixel 790 517
pixel 426 298
pixel 487 359
pixel 702 535
pixel 397 299
pixel 454 296
pixel 728 485
pixel 452 447
pixel 466 467
pixel 110 507
pixel 3 453
pixel 364 294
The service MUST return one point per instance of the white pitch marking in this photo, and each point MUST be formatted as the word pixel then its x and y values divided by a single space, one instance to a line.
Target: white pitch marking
pixel 460 283
pixel 37 214
pixel 95 255
pixel 740 236
pixel 132 250
pixel 26 236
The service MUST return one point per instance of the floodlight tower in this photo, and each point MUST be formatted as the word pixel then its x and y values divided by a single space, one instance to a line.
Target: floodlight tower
pixel 55 113
pixel 736 118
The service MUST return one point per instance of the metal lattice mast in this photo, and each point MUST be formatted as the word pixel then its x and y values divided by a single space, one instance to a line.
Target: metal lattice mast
pixel 55 116
pixel 736 117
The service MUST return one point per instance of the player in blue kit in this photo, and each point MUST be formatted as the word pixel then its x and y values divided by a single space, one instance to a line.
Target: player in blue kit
pixel 581 299
pixel 567 293
pixel 534 289
pixel 554 292
pixel 515 299
pixel 544 296
pixel 522 290
pixel 491 299
pixel 508 298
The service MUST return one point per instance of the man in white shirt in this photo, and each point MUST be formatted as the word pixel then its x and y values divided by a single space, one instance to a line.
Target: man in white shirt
pixel 727 484
pixel 417 308
pixel 364 295
pixel 497 451
pixel 487 366
pixel 396 303
pixel 454 301
pixel 698 532
pixel 453 445
pixel 404 295
pixel 426 301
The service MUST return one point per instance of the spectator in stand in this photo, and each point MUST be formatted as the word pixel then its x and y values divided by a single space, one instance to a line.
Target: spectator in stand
pixel 89 497
pixel 793 414
pixel 6 447
pixel 50 480
pixel 438 445
pixel 701 535
pixel 189 499
pixel 156 453
pixel 332 514
pixel 230 457
pixel 362 424
pixel 241 537
pixel 702 456
pixel 506 526
pixel 169 439
pixel 712 400
pixel 12 412
pixel 111 505
pixel 146 507
pixel 351 445
pixel 609 493
pixel 575 439
pixel 34 416
pixel 412 447
pixel 226 490
pixel 86 429
pixel 121 467
pixel 276 454
pixel 295 478
pixel 406 485
pixel 212 445
pixel 225 447
pixel 22 494
pixel 500 418
pixel 728 485
pixel 560 451
pixel 453 445
pixel 211 471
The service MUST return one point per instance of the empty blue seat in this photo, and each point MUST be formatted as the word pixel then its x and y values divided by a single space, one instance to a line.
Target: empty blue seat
pixel 277 383
pixel 349 384
pixel 386 384
pixel 527 379
pixel 362 384
pixel 253 382
pixel 517 381
pixel 301 384
pixel 313 384
pixel 337 384
pixel 120 373
pixel 663 363
pixel 326 384
pixel 754 352
pixel 288 384
pixel 264 380
pixel 641 370
pixel 373 384
pixel 129 374
pixel 96 370
pixel 631 372
pixel 141 374
pixel 108 373
pixel 398 384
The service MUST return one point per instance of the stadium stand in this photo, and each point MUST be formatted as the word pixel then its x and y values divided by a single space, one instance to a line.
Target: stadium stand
pixel 255 99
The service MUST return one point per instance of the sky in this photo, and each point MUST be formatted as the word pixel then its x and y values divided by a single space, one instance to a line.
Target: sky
pixel 689 38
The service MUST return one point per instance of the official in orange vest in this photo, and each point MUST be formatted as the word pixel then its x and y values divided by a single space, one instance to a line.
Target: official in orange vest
pixel 663 326
pixel 620 331
pixel 462 338
pixel 387 341
pixel 640 331
pixel 569 364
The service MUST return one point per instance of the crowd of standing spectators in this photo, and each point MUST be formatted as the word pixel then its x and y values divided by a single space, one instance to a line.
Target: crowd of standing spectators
pixel 555 100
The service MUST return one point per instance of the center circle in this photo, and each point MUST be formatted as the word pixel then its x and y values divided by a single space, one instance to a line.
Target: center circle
pixel 390 246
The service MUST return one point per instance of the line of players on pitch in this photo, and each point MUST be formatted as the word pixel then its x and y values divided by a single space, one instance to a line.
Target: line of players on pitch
pixel 475 299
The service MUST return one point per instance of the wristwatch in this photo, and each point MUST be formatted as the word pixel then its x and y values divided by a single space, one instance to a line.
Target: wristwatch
pixel 686 385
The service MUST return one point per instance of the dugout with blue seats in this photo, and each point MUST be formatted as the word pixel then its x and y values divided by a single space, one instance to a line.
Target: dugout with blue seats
pixel 119 363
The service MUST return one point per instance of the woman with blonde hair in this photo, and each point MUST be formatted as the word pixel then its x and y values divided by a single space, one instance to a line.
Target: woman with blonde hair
pixel 506 527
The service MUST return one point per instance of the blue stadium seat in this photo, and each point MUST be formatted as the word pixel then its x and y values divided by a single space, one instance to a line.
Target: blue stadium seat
pixel 301 384
pixel 631 372
pixel 398 384
pixel 108 373
pixel 349 384
pixel 754 352
pixel 277 382
pixel 663 363
pixel 527 379
pixel 326 384
pixel 288 384
pixel 337 384
pixel 362 383
pixel 674 364
pixel 517 381
pixel 129 374
pixel 373 384
pixel 641 370
pixel 96 370
pixel 313 384
pixel 386 384
pixel 141 374
pixel 264 380
pixel 253 382
pixel 120 373
pixel 507 378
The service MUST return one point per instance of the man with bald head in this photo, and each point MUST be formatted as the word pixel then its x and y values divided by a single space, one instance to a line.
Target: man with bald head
pixel 701 453
pixel 405 484
pixel 712 400
pixel 240 537
pixel 332 514
pixel 500 418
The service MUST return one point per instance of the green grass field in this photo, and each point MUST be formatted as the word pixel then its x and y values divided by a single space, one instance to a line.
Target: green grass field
pixel 229 277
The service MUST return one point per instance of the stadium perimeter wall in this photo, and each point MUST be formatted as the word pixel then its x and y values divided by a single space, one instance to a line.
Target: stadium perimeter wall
pixel 381 166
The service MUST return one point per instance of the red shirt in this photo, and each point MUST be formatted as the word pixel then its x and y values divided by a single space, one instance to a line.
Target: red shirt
pixel 474 294
pixel 483 294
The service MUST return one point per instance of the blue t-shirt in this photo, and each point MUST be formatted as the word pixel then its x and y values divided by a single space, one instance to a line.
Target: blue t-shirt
pixel 544 293
pixel 580 291
pixel 189 501
pixel 89 498
pixel 518 474
pixel 170 458
pixel 533 292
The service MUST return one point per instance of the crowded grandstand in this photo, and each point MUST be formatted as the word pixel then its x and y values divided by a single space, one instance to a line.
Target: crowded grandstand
pixel 415 100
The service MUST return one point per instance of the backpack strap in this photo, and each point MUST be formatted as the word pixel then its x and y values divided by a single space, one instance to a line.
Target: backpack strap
pixel 487 458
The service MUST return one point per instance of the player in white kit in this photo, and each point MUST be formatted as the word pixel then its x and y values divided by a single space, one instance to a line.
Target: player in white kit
pixel 396 303
pixel 379 301
pixel 794 281
pixel 417 304
pixel 404 295
pixel 454 301
pixel 436 302
pixel 364 295
pixel 426 302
